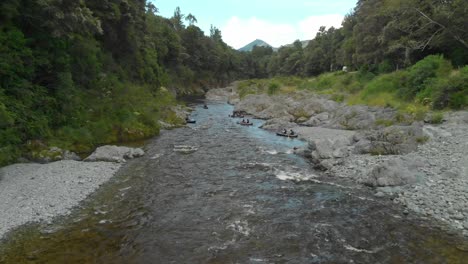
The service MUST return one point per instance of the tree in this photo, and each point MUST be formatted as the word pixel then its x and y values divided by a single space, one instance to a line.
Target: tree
pixel 176 20
pixel 191 19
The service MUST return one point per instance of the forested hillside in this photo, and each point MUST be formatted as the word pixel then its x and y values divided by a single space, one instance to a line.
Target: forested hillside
pixel 81 73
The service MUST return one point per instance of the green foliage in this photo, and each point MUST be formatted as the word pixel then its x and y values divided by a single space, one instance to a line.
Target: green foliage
pixel 422 140
pixel 273 88
pixel 77 74
pixel 420 74
pixel 436 118
pixel 384 122
pixel 338 97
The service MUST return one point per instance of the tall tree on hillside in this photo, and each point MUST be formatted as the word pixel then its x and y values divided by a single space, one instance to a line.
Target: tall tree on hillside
pixel 150 7
pixel 427 27
pixel 177 18
pixel 191 19
pixel 215 34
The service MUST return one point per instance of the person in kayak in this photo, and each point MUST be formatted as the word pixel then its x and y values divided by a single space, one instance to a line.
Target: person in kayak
pixel 291 132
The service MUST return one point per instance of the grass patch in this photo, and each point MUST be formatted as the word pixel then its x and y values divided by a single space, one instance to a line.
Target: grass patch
pixel 436 118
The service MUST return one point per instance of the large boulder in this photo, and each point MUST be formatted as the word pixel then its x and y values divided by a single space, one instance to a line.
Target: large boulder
pixel 325 152
pixel 278 124
pixel 254 104
pixel 358 117
pixel 275 110
pixel 115 154
pixel 395 172
pixel 391 140
pixel 318 120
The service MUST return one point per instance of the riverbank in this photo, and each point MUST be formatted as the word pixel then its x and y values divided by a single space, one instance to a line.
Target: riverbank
pixel 419 165
pixel 39 192
pixel 32 192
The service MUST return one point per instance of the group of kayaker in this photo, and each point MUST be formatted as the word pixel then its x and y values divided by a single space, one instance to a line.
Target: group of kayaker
pixel 246 122
pixel 291 132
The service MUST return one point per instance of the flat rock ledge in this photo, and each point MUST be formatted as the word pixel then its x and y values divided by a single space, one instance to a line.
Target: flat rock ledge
pixel 39 192
pixel 115 154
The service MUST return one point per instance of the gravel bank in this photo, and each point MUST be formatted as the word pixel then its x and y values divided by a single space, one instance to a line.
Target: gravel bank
pixel 40 192
pixel 442 189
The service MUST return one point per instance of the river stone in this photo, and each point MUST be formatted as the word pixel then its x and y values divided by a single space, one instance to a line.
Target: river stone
pixel 317 120
pixel 330 148
pixel 452 173
pixel 278 124
pixel 115 154
pixel 304 152
pixel 379 194
pixel 68 155
pixel 254 104
pixel 391 140
pixel 352 118
pixel 394 172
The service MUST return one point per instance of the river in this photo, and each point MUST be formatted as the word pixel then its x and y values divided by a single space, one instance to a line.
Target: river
pixel 241 197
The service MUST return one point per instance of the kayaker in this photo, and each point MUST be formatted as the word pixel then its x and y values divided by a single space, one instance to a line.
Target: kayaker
pixel 291 132
pixel 285 131
pixel 248 121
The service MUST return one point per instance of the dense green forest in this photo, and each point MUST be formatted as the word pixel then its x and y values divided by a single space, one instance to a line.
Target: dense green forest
pixel 79 73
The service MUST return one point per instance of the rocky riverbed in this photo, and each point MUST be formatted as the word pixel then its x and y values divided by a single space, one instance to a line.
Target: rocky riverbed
pixel 419 165
pixel 33 192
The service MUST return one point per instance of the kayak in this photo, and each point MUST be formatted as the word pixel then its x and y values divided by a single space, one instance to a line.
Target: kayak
pixel 191 121
pixel 245 124
pixel 287 135
pixel 236 116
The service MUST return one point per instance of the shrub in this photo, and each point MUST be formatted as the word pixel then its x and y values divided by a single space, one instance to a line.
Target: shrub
pixel 420 74
pixel 273 88
pixel 385 67
pixel 384 122
pixel 338 97
pixel 387 83
pixel 436 118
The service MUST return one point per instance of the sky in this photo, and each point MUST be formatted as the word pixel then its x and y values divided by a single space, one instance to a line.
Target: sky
pixel 278 22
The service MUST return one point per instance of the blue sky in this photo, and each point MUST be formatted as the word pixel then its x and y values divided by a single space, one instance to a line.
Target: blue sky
pixel 276 22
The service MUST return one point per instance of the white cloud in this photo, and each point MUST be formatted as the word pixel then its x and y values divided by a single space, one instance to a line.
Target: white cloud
pixel 309 27
pixel 238 32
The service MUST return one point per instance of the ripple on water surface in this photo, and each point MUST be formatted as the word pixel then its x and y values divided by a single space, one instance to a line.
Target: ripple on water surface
pixel 240 197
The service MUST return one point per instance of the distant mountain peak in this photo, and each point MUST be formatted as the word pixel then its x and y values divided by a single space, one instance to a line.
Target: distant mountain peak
pixel 251 45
